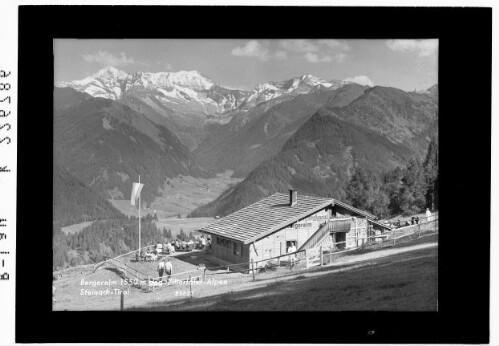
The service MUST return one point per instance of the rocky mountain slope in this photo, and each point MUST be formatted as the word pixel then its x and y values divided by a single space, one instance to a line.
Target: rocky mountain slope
pixel 259 134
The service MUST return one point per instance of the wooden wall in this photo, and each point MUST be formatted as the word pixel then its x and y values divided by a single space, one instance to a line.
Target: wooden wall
pixel 275 244
pixel 227 253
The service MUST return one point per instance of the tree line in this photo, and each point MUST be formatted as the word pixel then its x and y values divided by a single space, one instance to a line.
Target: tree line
pixel 105 239
pixel 403 190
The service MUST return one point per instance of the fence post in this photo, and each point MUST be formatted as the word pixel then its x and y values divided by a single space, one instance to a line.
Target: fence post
pixel 419 230
pixel 226 275
pixel 253 269
pixel 122 301
pixel 394 236
pixel 320 249
pixel 306 259
pixel 204 274
pixel 190 286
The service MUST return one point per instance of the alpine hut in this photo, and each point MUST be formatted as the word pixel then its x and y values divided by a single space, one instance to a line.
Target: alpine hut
pixel 268 228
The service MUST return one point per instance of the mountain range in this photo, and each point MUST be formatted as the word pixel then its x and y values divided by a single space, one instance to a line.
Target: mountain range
pixel 185 101
pixel 379 130
pixel 304 132
pixel 190 91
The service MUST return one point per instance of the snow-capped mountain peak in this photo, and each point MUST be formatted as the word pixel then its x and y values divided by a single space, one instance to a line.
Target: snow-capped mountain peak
pixel 182 91
pixel 312 80
pixel 192 79
pixel 190 92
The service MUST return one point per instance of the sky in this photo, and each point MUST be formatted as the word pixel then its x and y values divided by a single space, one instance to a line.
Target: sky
pixel 242 64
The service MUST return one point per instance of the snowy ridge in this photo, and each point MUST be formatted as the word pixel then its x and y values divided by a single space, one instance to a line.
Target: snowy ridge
pixel 187 91
pixel 291 87
pixel 182 91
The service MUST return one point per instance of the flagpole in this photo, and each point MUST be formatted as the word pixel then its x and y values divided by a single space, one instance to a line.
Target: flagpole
pixel 139 218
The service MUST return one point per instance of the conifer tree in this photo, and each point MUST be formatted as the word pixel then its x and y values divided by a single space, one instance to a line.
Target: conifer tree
pixel 431 174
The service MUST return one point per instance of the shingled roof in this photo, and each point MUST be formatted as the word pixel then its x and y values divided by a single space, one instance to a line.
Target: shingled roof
pixel 269 215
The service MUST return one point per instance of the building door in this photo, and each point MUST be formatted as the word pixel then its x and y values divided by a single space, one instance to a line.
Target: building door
pixel 340 240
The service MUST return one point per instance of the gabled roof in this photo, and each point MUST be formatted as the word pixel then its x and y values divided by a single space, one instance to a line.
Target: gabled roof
pixel 269 215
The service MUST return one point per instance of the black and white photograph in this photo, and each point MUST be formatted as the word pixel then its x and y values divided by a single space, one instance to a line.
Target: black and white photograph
pixel 246 174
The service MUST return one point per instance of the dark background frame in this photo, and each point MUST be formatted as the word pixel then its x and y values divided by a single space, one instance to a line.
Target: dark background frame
pixel 465 61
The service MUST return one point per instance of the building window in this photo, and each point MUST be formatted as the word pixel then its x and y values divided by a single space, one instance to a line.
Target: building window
pixel 289 244
pixel 223 242
pixel 236 249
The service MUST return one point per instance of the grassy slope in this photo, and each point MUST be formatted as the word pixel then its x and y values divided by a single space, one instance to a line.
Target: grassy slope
pixel 76 227
pixel 403 277
pixel 402 282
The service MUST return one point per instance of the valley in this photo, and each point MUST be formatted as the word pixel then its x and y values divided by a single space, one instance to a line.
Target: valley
pixel 180 195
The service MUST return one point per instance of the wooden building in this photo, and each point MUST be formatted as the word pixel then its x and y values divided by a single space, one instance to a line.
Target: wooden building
pixel 269 227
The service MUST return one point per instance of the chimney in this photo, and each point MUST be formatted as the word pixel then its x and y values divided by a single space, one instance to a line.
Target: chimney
pixel 293 197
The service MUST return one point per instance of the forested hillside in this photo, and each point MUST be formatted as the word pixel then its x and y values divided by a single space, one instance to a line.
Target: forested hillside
pixel 378 131
pixel 107 146
pixel 403 118
pixel 318 160
pixel 102 240
pixel 73 202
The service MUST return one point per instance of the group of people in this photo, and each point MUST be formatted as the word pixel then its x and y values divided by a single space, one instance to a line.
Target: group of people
pixel 414 220
pixel 181 245
pixel 168 248
pixel 188 245
pixel 165 267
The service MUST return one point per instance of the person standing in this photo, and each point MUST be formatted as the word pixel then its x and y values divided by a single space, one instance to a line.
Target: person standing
pixel 292 258
pixel 428 214
pixel 168 269
pixel 161 268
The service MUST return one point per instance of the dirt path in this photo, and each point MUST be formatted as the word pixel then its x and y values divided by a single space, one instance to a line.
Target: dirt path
pixel 381 253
